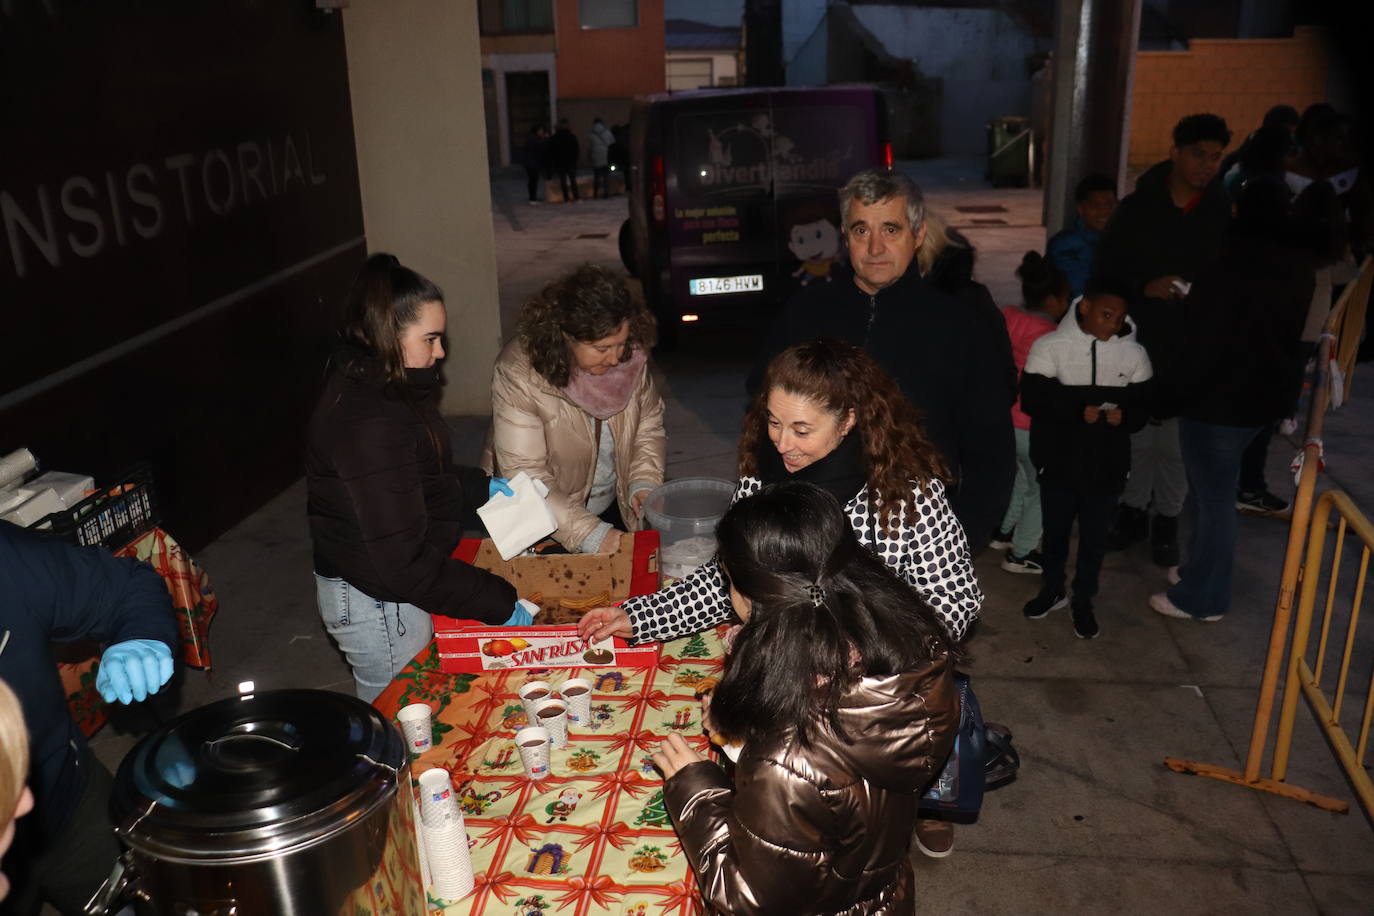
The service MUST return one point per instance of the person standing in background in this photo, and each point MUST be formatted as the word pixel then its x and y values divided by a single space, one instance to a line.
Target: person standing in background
pixel 532 156
pixel 599 152
pixel 563 154
pixel 1072 249
pixel 1159 239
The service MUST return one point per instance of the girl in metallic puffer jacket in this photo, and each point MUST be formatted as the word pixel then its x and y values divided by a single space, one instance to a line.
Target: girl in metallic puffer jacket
pixel 820 813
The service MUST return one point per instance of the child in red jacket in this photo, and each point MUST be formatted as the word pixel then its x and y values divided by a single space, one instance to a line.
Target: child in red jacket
pixel 1045 292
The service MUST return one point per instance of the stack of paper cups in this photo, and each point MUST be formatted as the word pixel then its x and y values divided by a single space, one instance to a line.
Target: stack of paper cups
pixel 450 861
pixel 532 693
pixel 533 745
pixel 415 816
pixel 577 693
pixel 417 727
pixel 552 714
pixel 438 803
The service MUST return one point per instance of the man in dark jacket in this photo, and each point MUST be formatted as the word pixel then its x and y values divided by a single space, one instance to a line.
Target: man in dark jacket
pixel 52 591
pixel 1158 240
pixel 935 347
pixel 563 151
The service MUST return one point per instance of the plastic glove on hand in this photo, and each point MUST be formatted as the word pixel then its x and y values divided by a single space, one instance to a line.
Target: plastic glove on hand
pixel 521 617
pixel 499 485
pixel 133 669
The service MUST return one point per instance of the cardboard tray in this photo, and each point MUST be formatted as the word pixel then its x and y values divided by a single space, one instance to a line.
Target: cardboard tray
pixel 632 570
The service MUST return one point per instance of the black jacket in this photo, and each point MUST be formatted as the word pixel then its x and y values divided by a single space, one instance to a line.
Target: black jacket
pixel 946 361
pixel 563 151
pixel 387 505
pixel 51 591
pixel 1150 237
pixel 952 274
pixel 1243 358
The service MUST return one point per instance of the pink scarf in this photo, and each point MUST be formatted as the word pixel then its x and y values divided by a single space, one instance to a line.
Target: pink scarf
pixel 604 396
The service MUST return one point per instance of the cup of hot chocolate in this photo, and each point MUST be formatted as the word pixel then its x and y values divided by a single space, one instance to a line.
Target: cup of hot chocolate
pixel 552 714
pixel 532 693
pixel 577 693
pixel 533 745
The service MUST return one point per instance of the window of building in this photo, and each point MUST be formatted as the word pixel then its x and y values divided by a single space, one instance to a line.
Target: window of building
pixel 608 14
pixel 499 17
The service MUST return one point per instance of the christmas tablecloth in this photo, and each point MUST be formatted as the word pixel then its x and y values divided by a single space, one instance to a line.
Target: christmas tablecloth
pixel 593 838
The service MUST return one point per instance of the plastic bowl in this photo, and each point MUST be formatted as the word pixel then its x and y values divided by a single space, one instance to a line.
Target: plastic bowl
pixel 685 513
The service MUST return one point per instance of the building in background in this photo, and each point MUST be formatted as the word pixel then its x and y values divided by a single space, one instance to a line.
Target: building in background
pixel 577 59
pixel 701 55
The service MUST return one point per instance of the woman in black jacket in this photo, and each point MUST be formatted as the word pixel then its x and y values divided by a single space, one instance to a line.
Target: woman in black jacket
pixel 386 502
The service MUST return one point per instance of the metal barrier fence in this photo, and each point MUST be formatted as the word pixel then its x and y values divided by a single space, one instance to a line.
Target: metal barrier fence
pixel 1339 343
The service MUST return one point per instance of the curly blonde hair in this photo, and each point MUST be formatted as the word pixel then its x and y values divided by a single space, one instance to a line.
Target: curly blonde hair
pixel 14 753
pixel 841 377
pixel 588 304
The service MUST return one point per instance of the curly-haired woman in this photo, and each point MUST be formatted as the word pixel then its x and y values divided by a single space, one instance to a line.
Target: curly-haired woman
pixel 574 405
pixel 828 415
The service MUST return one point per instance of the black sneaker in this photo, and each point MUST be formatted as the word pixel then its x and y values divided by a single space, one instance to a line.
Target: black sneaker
pixel 1043 603
pixel 1164 540
pixel 1029 564
pixel 1001 540
pixel 1128 526
pixel 1260 501
pixel 1084 623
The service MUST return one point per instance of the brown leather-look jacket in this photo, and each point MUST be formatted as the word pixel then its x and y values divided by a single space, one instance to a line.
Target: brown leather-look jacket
pixel 824 829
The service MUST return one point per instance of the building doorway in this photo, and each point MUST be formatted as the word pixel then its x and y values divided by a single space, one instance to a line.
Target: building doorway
pixel 527 102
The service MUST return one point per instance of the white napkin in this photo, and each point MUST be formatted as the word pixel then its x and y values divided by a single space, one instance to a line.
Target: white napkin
pixel 518 522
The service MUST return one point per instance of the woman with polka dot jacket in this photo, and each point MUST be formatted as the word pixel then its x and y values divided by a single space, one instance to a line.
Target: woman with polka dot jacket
pixel 828 415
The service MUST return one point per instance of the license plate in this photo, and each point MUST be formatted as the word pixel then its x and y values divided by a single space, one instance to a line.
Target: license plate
pixel 713 286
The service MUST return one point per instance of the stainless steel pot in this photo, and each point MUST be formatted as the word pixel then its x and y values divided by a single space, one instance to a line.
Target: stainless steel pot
pixel 282 803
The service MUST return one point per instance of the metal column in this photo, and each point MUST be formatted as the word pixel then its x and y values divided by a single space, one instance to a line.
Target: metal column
pixel 1094 69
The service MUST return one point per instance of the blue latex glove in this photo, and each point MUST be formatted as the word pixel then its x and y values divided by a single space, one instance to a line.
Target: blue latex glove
pixel 133 669
pixel 499 485
pixel 521 617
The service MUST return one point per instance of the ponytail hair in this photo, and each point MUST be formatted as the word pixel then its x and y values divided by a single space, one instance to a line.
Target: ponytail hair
pixel 385 300
pixel 825 612
pixel 1040 279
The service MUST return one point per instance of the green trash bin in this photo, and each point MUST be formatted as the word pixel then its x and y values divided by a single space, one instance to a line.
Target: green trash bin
pixel 1009 152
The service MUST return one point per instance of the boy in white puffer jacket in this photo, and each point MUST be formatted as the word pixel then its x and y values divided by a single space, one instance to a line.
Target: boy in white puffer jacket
pixel 1085 388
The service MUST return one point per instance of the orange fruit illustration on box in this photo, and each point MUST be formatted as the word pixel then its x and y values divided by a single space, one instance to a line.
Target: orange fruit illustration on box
pixel 497 647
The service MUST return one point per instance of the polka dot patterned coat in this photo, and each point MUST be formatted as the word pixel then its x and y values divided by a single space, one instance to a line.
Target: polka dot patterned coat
pixel 927 550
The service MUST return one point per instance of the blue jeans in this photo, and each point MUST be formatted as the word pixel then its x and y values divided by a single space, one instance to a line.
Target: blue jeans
pixel 377 637
pixel 1023 512
pixel 1212 457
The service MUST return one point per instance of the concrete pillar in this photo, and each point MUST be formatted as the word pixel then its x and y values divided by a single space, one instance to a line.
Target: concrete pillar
pixel 1094 63
pixel 415 82
pixel 763 63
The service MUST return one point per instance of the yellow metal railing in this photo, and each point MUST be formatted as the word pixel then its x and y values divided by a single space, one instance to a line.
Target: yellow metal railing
pixel 1308 679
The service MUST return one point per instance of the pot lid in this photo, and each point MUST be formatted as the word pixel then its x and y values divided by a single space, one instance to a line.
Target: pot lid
pixel 256 775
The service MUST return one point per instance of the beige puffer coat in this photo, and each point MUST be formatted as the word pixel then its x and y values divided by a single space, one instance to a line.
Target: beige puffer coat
pixel 824 829
pixel 538 430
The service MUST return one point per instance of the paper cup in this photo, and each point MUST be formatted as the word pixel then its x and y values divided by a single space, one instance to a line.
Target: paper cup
pixel 532 693
pixel 552 714
pixel 577 693
pixel 450 859
pixel 438 802
pixel 533 745
pixel 417 726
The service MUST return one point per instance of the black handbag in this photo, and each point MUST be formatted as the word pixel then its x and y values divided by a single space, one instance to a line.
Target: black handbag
pixel 983 759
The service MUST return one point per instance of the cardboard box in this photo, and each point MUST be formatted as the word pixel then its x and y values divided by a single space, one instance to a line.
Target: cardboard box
pixel 631 570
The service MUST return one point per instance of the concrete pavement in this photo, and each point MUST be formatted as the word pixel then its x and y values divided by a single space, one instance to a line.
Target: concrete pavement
pixel 1095 823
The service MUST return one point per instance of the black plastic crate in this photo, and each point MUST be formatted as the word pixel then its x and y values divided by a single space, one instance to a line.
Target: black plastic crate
pixel 110 518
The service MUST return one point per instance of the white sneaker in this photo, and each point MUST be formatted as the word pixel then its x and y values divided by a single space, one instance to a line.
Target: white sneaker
pixel 1161 604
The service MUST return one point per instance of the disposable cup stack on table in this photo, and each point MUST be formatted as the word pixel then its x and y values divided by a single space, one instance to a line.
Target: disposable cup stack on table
pixel 444 837
pixel 552 714
pixel 438 802
pixel 577 693
pixel 417 727
pixel 425 877
pixel 531 695
pixel 533 745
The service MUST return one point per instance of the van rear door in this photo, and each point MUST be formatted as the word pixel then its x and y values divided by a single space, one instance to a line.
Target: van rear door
pixel 721 219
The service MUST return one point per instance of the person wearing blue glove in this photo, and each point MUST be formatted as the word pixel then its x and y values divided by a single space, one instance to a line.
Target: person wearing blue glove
pixel 387 504
pixel 51 591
